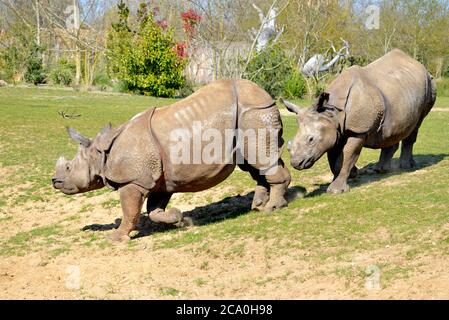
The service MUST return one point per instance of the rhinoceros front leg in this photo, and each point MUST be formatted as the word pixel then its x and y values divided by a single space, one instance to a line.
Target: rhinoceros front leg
pixel 278 182
pixel 261 193
pixel 335 159
pixel 351 153
pixel 131 198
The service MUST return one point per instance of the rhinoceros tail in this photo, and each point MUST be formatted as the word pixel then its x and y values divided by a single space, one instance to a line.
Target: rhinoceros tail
pixel 433 91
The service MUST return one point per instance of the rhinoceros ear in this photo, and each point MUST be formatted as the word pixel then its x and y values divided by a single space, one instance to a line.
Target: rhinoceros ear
pixel 85 142
pixel 106 137
pixel 291 106
pixel 322 100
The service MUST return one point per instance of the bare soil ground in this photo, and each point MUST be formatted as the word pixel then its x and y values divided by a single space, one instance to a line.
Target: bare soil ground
pixel 242 268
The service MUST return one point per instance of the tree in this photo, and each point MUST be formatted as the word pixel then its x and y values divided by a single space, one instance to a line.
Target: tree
pixel 34 67
pixel 144 57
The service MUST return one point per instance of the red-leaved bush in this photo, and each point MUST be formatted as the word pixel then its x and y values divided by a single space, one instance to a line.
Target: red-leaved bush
pixel 190 20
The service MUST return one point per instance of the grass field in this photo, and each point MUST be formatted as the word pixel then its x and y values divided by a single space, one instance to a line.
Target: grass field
pixel 395 226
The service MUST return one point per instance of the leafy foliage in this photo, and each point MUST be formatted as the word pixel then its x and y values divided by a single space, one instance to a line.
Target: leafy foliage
pixel 10 62
pixel 63 72
pixel 21 57
pixel 35 73
pixel 145 58
pixel 270 69
pixel 443 87
pixel 295 86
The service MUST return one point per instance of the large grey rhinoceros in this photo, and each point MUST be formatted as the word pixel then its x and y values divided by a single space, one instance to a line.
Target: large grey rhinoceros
pixel 376 106
pixel 189 146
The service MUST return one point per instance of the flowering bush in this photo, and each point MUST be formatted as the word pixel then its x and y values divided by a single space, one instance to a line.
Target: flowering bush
pixel 147 59
pixel 190 20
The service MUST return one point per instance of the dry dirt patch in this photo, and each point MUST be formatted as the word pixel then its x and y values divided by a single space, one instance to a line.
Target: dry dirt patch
pixel 242 268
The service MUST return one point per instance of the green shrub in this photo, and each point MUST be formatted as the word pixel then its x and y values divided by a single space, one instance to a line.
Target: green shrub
pixel 14 55
pixel 295 86
pixel 35 73
pixel 446 73
pixel 443 87
pixel 270 69
pixel 319 89
pixel 101 79
pixel 144 58
pixel 8 65
pixel 186 90
pixel 63 73
pixel 120 86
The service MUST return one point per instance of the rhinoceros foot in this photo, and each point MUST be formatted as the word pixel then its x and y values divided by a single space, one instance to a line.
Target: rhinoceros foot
pixel 118 237
pixel 171 216
pixel 407 164
pixel 274 204
pixel 382 169
pixel 261 197
pixel 337 187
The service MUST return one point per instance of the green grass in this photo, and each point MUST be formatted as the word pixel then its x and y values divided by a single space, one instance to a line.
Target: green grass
pixel 330 228
pixel 168 291
pixel 442 102
pixel 21 243
pixel 443 86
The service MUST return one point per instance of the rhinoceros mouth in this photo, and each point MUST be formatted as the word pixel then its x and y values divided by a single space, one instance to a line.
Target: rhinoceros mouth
pixel 304 164
pixel 65 190
pixel 308 164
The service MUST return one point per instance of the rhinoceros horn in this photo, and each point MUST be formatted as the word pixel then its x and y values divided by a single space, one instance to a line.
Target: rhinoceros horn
pixel 85 142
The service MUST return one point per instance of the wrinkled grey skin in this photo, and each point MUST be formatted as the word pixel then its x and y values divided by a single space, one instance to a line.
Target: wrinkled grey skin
pixel 376 106
pixel 133 158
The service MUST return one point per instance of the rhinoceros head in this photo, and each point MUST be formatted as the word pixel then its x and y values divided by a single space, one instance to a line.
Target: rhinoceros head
pixel 317 132
pixel 83 173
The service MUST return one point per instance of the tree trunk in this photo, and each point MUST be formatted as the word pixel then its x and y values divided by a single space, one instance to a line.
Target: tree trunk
pixel 38 25
pixel 77 45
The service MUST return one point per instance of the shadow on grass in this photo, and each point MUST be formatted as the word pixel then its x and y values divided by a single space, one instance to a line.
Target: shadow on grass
pixel 228 208
pixel 368 174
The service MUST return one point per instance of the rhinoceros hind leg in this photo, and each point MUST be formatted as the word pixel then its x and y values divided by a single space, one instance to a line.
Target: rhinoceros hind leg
pixel 262 191
pixel 278 182
pixel 172 216
pixel 406 159
pixel 156 204
pixel 384 164
pixel 131 198
pixel 158 200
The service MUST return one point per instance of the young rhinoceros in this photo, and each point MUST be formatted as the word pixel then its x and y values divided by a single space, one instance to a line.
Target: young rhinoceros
pixel 376 106
pixel 189 146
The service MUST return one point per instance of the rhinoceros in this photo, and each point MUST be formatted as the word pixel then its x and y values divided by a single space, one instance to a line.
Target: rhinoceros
pixel 189 146
pixel 376 106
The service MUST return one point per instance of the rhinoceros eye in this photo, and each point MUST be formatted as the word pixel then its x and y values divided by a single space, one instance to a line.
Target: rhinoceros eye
pixel 67 167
